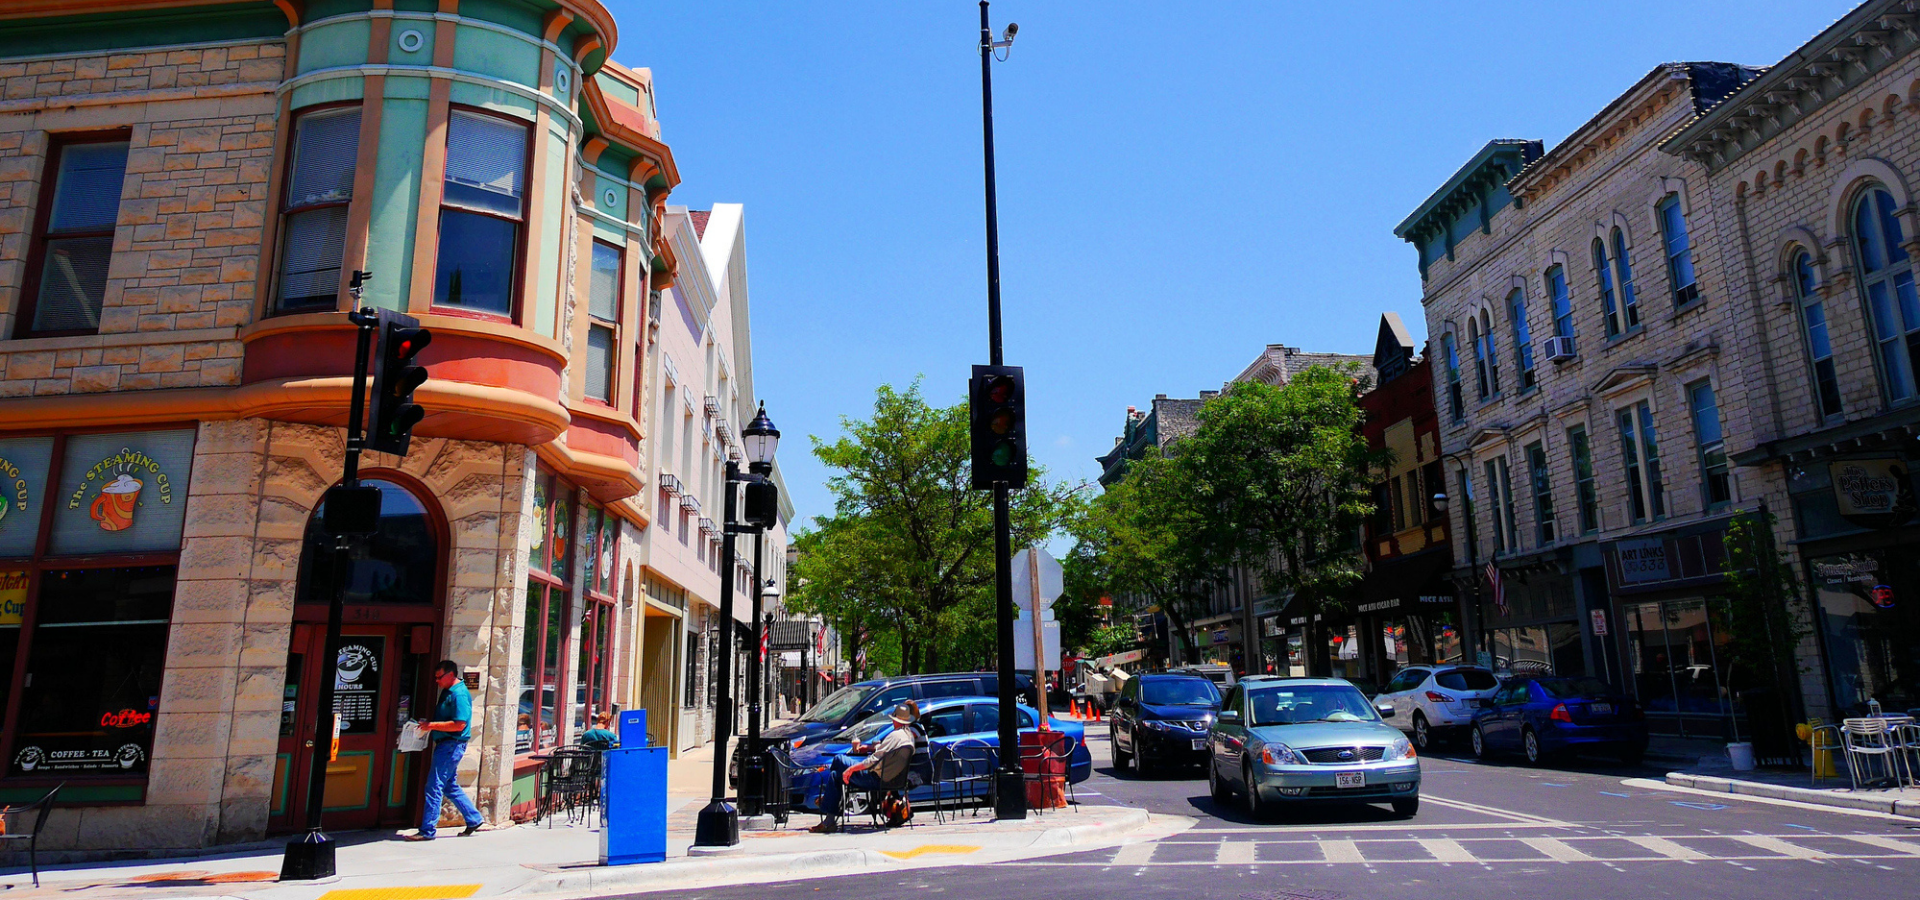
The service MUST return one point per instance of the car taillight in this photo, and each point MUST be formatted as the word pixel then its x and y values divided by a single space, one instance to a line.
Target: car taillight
pixel 1437 697
pixel 1560 714
pixel 799 742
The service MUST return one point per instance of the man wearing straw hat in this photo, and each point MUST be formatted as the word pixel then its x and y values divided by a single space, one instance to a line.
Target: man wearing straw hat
pixel 884 763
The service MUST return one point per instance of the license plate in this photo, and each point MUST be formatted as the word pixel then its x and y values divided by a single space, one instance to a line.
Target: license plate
pixel 1478 704
pixel 1349 779
pixel 1600 709
pixel 1199 743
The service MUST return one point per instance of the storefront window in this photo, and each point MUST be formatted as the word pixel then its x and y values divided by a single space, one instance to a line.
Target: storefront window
pixel 1678 660
pixel 543 641
pixel 593 678
pixel 1532 651
pixel 1872 632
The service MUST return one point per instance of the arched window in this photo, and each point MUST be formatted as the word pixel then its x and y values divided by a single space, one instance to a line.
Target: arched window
pixel 1492 358
pixel 1813 317
pixel 398 565
pixel 1454 403
pixel 1522 338
pixel 1605 274
pixel 1479 359
pixel 1562 304
pixel 1623 273
pixel 1886 274
pixel 1673 227
pixel 1486 366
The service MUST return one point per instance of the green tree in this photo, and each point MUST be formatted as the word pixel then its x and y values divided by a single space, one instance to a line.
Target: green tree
pixel 1758 613
pixel 1140 542
pixel 909 546
pixel 1110 639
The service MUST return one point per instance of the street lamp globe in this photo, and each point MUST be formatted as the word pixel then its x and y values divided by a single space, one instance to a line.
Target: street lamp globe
pixel 761 438
pixel 1440 503
pixel 771 591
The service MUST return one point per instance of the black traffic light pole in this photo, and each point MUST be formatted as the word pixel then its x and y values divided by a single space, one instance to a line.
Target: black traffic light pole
pixel 1010 796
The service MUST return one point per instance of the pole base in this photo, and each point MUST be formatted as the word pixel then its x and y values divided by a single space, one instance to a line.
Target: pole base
pixel 1010 796
pixel 718 825
pixel 752 780
pixel 309 858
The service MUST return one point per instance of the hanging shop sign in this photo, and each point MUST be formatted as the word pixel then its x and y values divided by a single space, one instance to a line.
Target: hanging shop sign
pixel 23 479
pixel 1849 569
pixel 1378 606
pixel 123 493
pixel 1876 493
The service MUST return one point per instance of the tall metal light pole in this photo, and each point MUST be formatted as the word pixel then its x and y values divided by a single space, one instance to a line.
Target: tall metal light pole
pixel 1010 798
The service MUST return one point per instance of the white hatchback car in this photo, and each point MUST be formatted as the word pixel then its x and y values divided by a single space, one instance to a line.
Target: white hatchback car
pixel 1431 702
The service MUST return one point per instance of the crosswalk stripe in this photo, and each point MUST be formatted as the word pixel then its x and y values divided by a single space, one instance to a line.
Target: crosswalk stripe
pixel 1447 850
pixel 1886 843
pixel 1776 845
pixel 1341 852
pixel 1558 851
pixel 1134 854
pixel 1234 853
pixel 1668 848
pixel 1528 818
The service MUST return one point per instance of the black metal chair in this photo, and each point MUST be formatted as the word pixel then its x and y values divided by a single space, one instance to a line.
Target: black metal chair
pixel 869 801
pixel 1036 761
pixel 571 783
pixel 962 765
pixel 40 808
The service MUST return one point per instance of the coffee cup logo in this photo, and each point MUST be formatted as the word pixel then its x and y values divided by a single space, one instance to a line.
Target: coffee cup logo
pixel 113 507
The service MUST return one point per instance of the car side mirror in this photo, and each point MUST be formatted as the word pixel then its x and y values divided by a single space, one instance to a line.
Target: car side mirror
pixel 1229 716
pixel 1385 711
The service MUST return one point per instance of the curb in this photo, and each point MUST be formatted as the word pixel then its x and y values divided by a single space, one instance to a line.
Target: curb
pixel 725 869
pixel 1839 799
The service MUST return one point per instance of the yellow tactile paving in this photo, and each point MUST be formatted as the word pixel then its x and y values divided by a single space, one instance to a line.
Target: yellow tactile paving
pixel 417 892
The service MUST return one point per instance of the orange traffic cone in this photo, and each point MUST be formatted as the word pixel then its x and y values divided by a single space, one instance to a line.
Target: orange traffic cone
pixel 1096 711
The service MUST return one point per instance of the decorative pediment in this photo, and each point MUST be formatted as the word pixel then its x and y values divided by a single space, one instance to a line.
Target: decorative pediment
pixel 1622 379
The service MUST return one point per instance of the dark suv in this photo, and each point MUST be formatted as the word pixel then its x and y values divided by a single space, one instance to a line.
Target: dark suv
pixel 861 699
pixel 1162 720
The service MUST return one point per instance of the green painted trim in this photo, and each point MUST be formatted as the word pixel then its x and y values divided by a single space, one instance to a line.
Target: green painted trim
pixel 617 89
pixel 320 9
pixel 391 228
pixel 546 284
pixel 366 798
pixel 464 94
pixel 259 20
pixel 77 793
pixel 489 53
pixel 608 233
pixel 399 774
pixel 283 773
pixel 511 13
pixel 525 788
pixel 334 45
pixel 329 91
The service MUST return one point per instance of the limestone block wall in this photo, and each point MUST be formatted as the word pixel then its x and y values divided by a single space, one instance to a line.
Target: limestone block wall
pixel 187 243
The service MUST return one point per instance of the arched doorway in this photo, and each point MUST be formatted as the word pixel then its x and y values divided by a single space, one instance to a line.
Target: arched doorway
pixel 381 665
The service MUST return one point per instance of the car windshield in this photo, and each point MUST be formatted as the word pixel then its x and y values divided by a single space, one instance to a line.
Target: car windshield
pixel 1179 692
pixel 1574 688
pixel 1467 680
pixel 1298 704
pixel 869 729
pixel 837 704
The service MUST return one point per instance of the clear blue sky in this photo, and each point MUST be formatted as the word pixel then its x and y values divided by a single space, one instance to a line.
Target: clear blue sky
pixel 1180 184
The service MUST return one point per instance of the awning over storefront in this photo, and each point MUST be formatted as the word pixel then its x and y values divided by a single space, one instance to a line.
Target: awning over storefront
pixel 1408 583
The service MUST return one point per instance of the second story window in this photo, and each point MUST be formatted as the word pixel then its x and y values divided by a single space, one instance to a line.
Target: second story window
pixel 1886 275
pixel 1454 402
pixel 1623 273
pixel 482 210
pixel 1673 228
pixel 1813 317
pixel 1585 492
pixel 1486 366
pixel 1562 303
pixel 603 322
pixel 76 242
pixel 313 230
pixel 1522 339
pixel 1542 484
pixel 1465 481
pixel 1604 273
pixel 1506 537
pixel 1716 488
pixel 1640 453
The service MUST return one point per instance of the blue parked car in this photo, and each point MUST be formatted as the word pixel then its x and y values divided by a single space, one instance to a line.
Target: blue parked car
pixel 1546 716
pixel 947 721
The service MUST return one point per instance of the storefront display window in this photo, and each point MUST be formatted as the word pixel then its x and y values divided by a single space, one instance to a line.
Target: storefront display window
pixel 1872 633
pixel 593 678
pixel 1679 659
pixel 1538 650
pixel 543 641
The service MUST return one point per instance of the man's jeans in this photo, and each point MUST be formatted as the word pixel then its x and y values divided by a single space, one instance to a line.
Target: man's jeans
pixel 863 780
pixel 441 780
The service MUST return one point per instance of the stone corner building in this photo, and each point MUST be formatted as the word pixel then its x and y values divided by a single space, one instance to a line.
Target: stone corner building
pixel 185 189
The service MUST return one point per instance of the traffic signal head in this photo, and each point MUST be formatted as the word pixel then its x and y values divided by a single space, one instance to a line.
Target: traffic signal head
pixel 996 406
pixel 395 376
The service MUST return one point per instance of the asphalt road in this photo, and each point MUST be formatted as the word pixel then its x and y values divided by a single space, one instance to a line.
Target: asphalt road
pixel 1577 830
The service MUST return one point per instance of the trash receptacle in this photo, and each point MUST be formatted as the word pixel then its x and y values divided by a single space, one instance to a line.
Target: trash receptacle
pixel 1043 760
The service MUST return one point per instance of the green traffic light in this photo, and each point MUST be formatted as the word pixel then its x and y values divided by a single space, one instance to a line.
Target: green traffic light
pixel 1004 453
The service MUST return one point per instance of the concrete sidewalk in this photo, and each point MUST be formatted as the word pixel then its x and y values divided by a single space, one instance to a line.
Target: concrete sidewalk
pixel 560 859
pixel 1784 784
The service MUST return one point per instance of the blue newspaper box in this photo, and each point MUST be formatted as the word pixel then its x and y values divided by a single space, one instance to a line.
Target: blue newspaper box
pixel 633 797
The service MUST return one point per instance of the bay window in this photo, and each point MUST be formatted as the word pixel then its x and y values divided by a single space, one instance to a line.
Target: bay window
pixel 313 227
pixel 68 267
pixel 482 213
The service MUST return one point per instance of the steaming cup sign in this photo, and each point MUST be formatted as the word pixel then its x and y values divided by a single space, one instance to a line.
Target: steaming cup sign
pixel 113 506
pixel 356 684
pixel 121 492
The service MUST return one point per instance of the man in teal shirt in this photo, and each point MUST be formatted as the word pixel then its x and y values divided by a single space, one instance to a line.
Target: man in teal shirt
pixel 451 728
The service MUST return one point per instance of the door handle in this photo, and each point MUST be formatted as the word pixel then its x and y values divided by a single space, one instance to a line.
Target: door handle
pixel 309 744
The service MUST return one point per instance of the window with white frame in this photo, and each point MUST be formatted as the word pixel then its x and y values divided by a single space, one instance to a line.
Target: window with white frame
pixel 313 227
pixel 1506 536
pixel 1586 493
pixel 1562 302
pixel 1455 405
pixel 1522 339
pixel 1813 319
pixel 1679 247
pixel 1886 277
pixel 1640 454
pixel 603 321
pixel 1716 488
pixel 483 208
pixel 1542 484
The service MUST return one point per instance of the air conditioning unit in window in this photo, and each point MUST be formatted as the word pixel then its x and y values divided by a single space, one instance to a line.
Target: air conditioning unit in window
pixel 1559 348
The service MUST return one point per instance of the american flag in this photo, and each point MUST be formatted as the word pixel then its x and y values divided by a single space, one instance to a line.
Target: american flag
pixel 1499 590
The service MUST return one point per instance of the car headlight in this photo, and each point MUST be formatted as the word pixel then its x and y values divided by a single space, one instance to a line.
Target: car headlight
pixel 1400 749
pixel 1156 725
pixel 1279 755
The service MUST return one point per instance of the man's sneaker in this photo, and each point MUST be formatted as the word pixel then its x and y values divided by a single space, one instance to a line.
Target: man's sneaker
pixel 826 826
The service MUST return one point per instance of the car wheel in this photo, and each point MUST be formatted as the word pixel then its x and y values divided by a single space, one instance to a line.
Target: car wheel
pixel 1120 757
pixel 1217 786
pixel 1139 763
pixel 855 804
pixel 1530 742
pixel 1255 807
pixel 1422 733
pixel 1479 739
pixel 1407 808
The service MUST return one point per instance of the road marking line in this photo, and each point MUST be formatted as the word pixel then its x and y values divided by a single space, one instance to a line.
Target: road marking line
pixel 1447 850
pixel 925 849
pixel 1234 853
pixel 1528 818
pixel 1338 851
pixel 1885 843
pixel 421 892
pixel 1668 848
pixel 1556 850
pixel 1134 854
pixel 1323 829
pixel 1776 845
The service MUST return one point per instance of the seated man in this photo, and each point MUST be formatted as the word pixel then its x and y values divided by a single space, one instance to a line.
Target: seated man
pixel 884 763
pixel 600 736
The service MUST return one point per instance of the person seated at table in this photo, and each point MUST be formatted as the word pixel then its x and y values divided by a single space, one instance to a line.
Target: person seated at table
pixel 867 767
pixel 600 736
